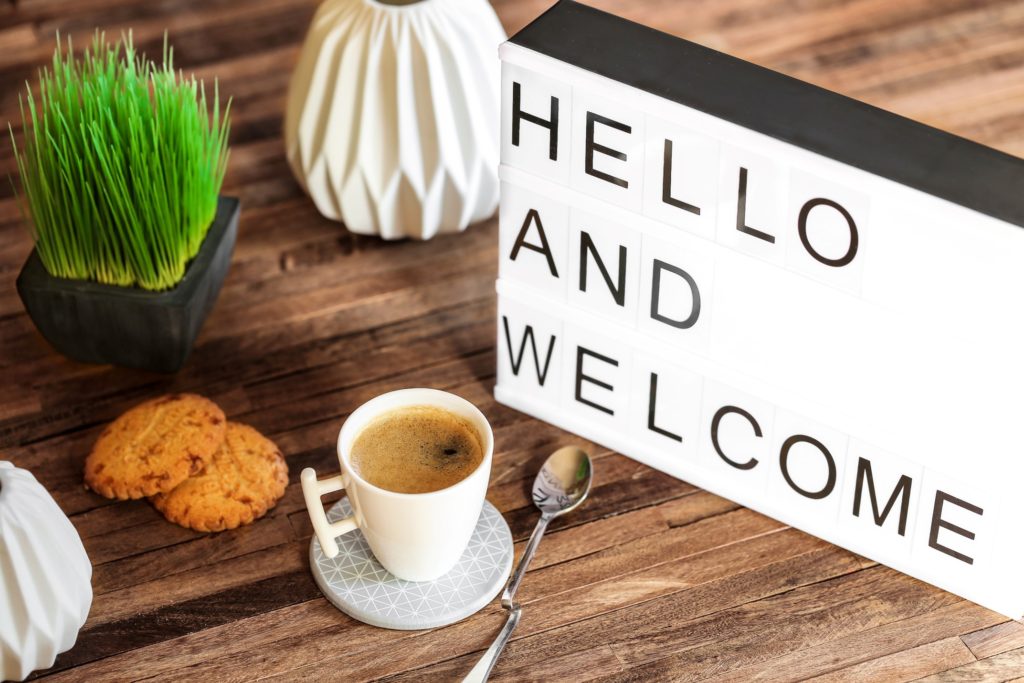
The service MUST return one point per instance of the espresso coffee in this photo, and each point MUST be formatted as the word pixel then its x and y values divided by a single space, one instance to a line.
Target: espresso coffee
pixel 417 449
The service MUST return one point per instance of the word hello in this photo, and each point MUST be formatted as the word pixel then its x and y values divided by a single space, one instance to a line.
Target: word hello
pixel 684 178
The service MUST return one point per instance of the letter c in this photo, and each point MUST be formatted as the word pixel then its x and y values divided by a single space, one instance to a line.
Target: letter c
pixel 722 412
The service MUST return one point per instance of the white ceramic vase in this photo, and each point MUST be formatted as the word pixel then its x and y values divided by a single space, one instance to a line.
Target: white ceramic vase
pixel 45 576
pixel 392 117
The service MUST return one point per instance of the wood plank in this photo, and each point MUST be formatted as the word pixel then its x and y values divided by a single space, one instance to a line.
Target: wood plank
pixel 846 653
pixel 609 532
pixel 246 597
pixel 205 551
pixel 906 665
pixel 995 640
pixel 582 666
pixel 197 584
pixel 246 635
pixel 1001 667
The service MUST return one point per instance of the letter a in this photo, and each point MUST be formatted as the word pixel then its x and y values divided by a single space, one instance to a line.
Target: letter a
pixel 532 217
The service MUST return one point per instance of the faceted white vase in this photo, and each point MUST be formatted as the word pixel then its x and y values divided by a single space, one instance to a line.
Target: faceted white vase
pixel 45 576
pixel 392 117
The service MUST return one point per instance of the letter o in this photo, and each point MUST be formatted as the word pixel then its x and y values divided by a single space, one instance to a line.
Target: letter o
pixel 784 466
pixel 851 251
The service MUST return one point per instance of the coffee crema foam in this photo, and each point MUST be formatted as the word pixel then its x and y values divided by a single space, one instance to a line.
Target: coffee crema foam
pixel 417 449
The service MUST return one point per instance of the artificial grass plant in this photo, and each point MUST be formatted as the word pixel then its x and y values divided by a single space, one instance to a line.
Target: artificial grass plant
pixel 121 166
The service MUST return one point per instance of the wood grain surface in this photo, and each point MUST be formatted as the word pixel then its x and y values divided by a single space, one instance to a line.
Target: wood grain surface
pixel 652 579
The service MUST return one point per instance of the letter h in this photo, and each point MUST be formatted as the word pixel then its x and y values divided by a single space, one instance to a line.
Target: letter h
pixel 518 115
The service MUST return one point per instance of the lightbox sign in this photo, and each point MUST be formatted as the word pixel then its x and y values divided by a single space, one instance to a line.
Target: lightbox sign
pixel 785 296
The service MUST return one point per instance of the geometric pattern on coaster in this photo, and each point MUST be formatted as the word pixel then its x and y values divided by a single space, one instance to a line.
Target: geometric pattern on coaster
pixel 359 586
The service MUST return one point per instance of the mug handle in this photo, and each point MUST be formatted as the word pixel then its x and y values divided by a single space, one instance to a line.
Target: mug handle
pixel 312 489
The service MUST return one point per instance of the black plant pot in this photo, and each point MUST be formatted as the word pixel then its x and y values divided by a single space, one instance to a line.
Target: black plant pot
pixel 128 326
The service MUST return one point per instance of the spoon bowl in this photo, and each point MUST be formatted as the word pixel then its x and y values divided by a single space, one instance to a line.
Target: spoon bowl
pixel 563 482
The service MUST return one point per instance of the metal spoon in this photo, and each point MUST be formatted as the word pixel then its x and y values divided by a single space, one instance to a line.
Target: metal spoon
pixel 561 485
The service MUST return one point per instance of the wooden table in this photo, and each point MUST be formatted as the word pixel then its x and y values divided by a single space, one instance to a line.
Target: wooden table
pixel 652 579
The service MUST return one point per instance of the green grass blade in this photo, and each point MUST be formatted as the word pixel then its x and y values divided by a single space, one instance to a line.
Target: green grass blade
pixel 121 164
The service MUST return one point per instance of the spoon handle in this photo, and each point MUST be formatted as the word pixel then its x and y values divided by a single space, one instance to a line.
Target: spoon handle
pixel 524 561
pixel 483 668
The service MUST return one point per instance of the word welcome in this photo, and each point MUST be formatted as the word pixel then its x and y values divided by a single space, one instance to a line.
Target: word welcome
pixel 698 424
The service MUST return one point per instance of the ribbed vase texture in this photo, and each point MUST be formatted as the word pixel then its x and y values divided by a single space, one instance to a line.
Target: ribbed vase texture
pixel 392 117
pixel 45 576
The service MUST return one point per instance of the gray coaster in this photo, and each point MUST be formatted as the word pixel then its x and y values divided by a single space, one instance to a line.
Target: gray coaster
pixel 355 583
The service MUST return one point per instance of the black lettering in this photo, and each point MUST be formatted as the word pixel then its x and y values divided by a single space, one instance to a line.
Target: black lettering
pixel 690 320
pixel 941 498
pixel 901 491
pixel 533 217
pixel 722 412
pixel 784 466
pixel 580 378
pixel 618 291
pixel 741 212
pixel 592 147
pixel 518 360
pixel 551 124
pixel 851 251
pixel 666 184
pixel 651 404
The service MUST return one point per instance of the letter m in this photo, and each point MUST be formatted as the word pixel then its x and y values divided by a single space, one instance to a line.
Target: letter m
pixel 516 357
pixel 902 491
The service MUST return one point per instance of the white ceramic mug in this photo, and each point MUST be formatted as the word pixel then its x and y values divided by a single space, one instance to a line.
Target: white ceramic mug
pixel 415 536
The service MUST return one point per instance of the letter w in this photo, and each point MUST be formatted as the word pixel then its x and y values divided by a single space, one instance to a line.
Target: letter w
pixel 516 358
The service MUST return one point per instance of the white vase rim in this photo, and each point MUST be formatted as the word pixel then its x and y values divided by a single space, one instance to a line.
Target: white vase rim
pixel 402 7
